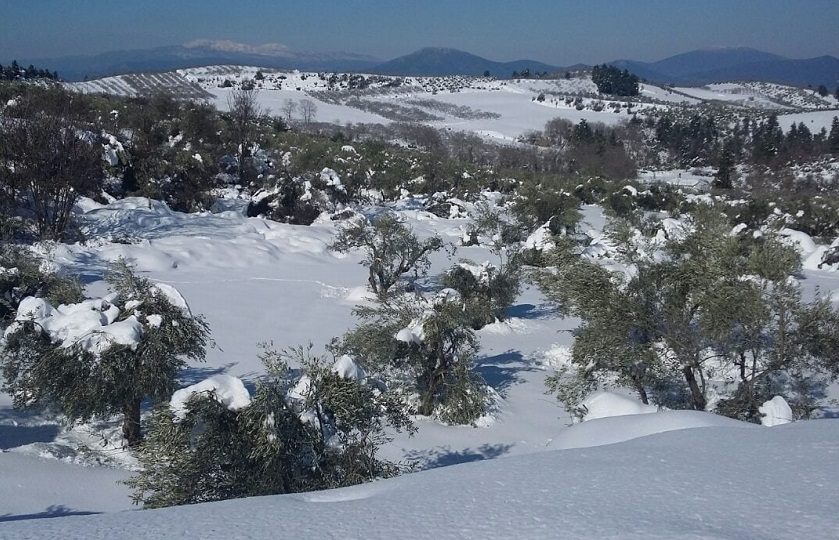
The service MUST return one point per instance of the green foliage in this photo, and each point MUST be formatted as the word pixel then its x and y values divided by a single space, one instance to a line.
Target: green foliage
pixel 611 80
pixel 487 291
pixel 538 202
pixel 324 436
pixel 426 348
pixel 83 384
pixel 392 249
pixel 704 307
pixel 23 276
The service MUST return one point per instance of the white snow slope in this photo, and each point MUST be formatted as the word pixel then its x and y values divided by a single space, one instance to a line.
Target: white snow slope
pixel 707 483
pixel 257 280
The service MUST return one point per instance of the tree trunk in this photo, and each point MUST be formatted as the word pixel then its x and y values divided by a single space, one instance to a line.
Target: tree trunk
pixel 131 422
pixel 698 399
pixel 642 393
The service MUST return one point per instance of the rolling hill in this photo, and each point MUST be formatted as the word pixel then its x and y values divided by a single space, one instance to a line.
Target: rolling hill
pixel 736 64
pixel 440 62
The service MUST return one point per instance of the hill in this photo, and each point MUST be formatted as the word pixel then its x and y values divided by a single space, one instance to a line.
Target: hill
pixel 735 64
pixel 203 53
pixel 441 62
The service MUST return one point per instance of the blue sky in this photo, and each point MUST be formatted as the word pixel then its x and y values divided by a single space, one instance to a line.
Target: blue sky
pixel 559 32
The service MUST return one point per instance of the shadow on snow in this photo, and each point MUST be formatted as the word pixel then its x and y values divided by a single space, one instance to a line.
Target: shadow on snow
pixel 51 512
pixel 443 456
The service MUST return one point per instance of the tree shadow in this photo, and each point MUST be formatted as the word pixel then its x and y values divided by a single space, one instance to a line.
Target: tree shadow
pixel 88 267
pixel 502 370
pixel 443 456
pixel 827 412
pixel 532 311
pixel 14 436
pixel 53 511
pixel 196 374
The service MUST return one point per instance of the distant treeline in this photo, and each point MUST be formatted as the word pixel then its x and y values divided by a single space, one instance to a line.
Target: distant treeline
pixel 15 72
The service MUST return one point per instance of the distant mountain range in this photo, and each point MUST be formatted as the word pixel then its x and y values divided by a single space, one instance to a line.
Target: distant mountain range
pixel 202 53
pixel 710 66
pixel 692 68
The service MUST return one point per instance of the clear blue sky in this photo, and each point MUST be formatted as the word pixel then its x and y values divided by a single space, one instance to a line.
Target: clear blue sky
pixel 559 32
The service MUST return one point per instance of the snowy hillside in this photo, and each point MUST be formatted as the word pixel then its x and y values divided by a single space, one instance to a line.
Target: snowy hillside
pixel 713 482
pixel 497 109
pixel 257 280
pixel 524 468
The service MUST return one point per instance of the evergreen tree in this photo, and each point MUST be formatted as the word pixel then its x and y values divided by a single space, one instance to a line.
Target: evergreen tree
pixel 322 432
pixel 423 347
pixel 392 249
pixel 85 380
pixel 704 300
pixel 833 137
pixel 611 80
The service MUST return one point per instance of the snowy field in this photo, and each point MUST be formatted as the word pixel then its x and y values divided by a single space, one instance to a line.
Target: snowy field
pixel 257 280
pixel 814 120
pixel 513 101
pixel 521 472
pixel 705 483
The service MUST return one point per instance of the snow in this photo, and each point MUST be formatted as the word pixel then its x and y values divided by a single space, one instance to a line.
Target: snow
pixel 710 482
pixel 523 473
pixel 90 325
pixel 814 120
pixel 607 404
pixel 227 390
pixel 776 412
pixel 347 368
pixel 629 426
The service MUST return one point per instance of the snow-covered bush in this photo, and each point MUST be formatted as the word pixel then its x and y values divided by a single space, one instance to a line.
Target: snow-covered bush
pixel 300 200
pixel 102 356
pixel 486 290
pixel 424 347
pixel 21 276
pixel 319 429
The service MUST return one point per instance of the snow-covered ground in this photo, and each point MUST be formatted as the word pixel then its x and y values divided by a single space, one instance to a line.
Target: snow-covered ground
pixel 814 120
pixel 256 281
pixel 709 482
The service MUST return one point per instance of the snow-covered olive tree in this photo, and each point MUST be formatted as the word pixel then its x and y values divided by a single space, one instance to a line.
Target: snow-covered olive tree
pixel 692 313
pixel 392 249
pixel 318 428
pixel 102 356
pixel 487 290
pixel 425 347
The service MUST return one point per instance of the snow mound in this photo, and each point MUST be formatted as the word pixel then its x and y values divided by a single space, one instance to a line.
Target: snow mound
pixel 227 390
pixel 607 404
pixel 694 484
pixel 540 239
pixel 617 429
pixel 776 412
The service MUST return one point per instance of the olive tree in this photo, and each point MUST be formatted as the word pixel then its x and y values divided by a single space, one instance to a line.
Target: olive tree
pixel 48 159
pixel 103 356
pixel 424 347
pixel 316 428
pixel 698 311
pixel 392 249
